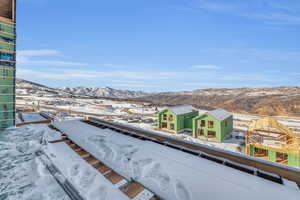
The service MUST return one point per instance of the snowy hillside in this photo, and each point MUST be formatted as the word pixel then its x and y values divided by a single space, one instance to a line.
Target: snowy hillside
pixel 25 87
pixel 103 92
pixel 263 101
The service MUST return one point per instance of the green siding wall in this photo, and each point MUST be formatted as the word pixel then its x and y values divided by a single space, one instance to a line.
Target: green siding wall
pixel 272 155
pixel 7 35
pixel 7 74
pixel 7 47
pixel 7 106
pixel 7 90
pixel 221 130
pixel 7 98
pixel 180 122
pixel 188 119
pixel 168 113
pixel 293 160
pixel 7 28
pixel 7 123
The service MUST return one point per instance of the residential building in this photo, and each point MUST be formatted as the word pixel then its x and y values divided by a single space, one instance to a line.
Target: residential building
pixel 270 140
pixel 7 62
pixel 177 118
pixel 214 125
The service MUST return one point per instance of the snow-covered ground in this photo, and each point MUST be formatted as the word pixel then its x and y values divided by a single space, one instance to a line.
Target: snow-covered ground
pixel 170 173
pixel 142 115
pixel 231 144
pixel 22 174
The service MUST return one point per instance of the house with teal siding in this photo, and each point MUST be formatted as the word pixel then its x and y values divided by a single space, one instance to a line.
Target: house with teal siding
pixel 214 125
pixel 177 118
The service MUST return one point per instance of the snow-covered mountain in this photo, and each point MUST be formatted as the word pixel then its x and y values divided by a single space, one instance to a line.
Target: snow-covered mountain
pixel 103 92
pixel 25 87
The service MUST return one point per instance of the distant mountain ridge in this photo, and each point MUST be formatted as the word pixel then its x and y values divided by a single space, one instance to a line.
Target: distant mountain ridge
pixel 104 92
pixel 25 87
pixel 263 101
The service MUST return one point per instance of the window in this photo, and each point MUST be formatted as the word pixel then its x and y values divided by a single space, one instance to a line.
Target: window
pixel 261 153
pixel 4 72
pixel 165 117
pixel 202 123
pixel 210 124
pixel 6 57
pixel 164 125
pixel 211 134
pixel 225 123
pixel 172 126
pixel 200 132
pixel 281 158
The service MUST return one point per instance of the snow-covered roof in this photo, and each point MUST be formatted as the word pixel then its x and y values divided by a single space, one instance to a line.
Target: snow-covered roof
pixel 32 117
pixel 220 114
pixel 182 109
pixel 169 173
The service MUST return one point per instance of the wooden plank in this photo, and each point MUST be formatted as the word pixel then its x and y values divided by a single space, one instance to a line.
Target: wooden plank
pixel 83 153
pixel 154 198
pixel 76 148
pixel 132 189
pixel 113 177
pixel 91 160
pixel 101 168
pixel 57 141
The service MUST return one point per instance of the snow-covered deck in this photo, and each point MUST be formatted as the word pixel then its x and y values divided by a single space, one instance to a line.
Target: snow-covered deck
pixel 169 173
pixel 87 180
pixel 32 117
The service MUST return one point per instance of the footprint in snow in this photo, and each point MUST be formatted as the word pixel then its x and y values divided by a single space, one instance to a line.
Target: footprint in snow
pixel 75 170
pixel 87 178
pixel 159 176
pixel 138 167
pixel 181 191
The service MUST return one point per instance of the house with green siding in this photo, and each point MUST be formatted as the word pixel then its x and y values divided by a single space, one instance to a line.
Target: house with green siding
pixel 177 118
pixel 214 125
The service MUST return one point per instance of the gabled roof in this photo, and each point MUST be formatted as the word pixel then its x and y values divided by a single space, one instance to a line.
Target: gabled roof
pixel 220 114
pixel 182 109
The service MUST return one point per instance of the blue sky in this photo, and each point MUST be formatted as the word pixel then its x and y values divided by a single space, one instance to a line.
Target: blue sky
pixel 159 45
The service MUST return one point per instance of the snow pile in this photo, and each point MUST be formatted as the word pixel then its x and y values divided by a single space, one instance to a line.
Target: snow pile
pixel 87 180
pixel 22 175
pixel 169 173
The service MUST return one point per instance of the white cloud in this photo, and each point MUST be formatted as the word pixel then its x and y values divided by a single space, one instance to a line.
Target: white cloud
pixel 271 12
pixel 91 74
pixel 254 53
pixel 28 58
pixel 39 52
pixel 208 67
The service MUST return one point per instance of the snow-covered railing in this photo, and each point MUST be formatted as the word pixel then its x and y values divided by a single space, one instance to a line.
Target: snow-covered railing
pixel 262 168
pixel 59 177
